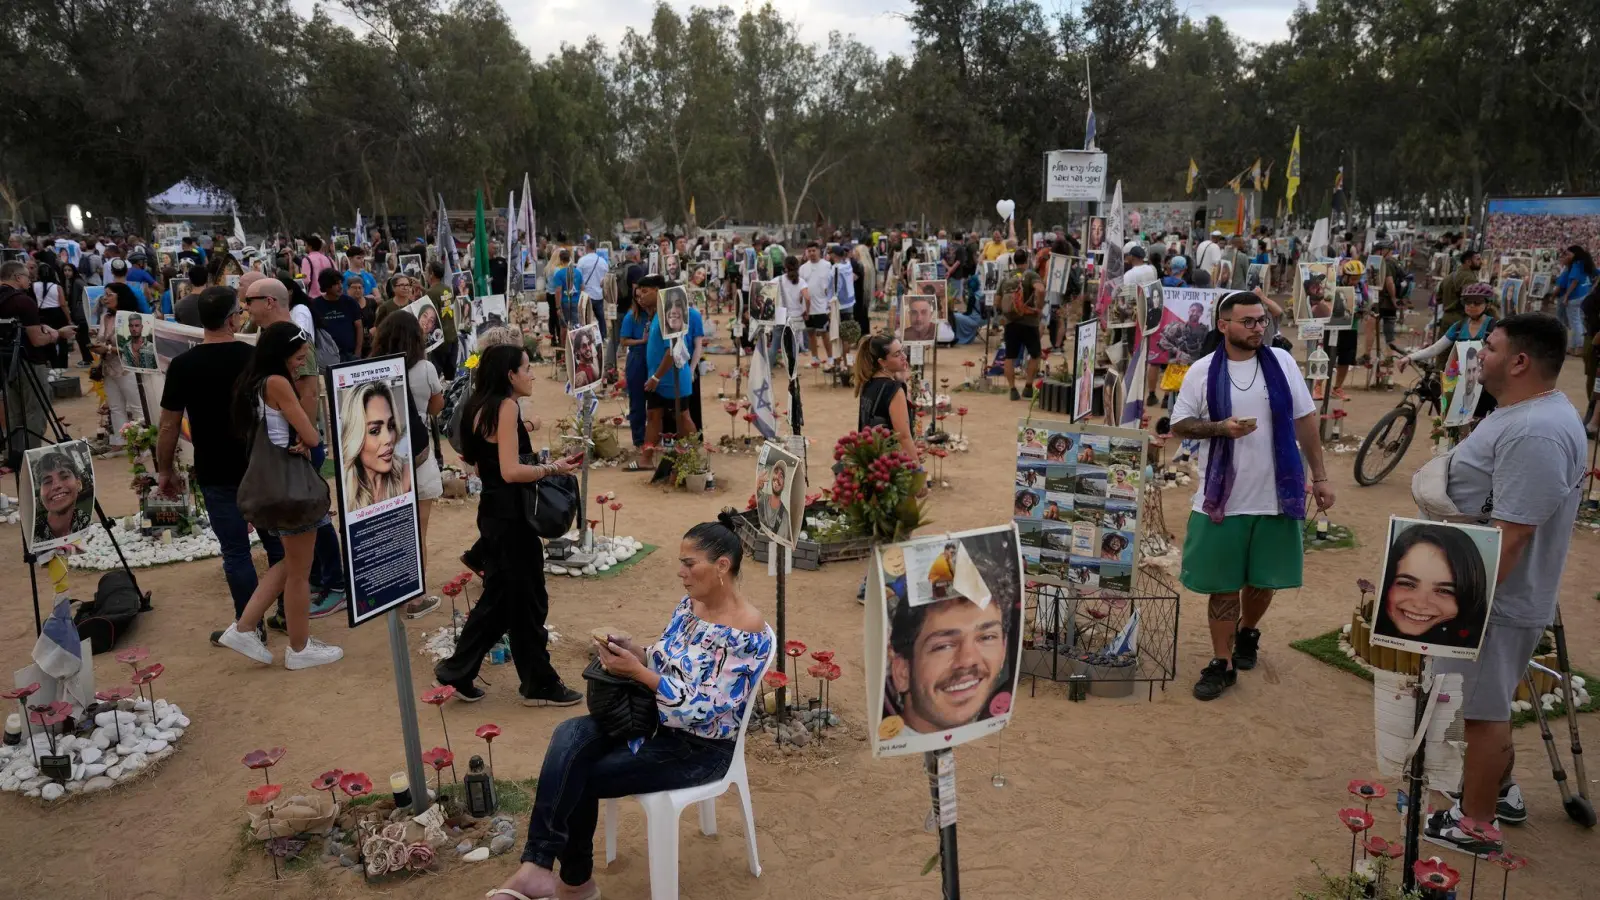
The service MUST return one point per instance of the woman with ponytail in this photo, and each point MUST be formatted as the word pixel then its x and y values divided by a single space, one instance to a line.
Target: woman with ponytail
pixel 703 674
pixel 880 374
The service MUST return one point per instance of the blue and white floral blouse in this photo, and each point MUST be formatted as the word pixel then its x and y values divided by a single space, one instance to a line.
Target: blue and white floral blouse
pixel 708 673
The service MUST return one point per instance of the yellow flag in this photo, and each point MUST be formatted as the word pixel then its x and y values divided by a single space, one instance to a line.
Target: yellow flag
pixel 1236 183
pixel 1194 171
pixel 691 206
pixel 1255 173
pixel 1294 168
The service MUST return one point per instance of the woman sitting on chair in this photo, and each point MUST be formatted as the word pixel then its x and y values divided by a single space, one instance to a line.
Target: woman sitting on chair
pixel 703 672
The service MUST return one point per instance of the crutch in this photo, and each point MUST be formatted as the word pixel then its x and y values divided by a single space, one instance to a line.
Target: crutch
pixel 1576 803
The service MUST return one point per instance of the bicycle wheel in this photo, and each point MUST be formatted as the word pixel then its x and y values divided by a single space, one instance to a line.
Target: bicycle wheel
pixel 1385 444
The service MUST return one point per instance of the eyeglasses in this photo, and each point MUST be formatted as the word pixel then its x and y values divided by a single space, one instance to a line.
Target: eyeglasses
pixel 1251 322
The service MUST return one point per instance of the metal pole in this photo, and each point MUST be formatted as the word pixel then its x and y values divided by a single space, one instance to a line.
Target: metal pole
pixel 1414 800
pixel 586 409
pixel 778 551
pixel 400 656
pixel 949 859
pixel 1327 386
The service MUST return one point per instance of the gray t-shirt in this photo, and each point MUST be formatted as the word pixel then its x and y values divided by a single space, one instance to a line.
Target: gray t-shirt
pixel 1525 464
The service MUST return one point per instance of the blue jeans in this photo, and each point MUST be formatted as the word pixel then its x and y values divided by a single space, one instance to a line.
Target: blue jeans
pixel 583 766
pixel 222 505
pixel 1575 324
pixel 637 371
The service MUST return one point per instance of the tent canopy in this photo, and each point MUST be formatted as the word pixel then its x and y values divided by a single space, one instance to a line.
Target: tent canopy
pixel 186 200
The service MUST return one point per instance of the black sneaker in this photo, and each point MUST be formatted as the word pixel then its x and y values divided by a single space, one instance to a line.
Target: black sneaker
pixel 1508 810
pixel 276 623
pixel 1151 400
pixel 1214 679
pixel 1015 395
pixel 466 693
pixel 1246 646
pixel 1027 392
pixel 559 695
pixel 1444 829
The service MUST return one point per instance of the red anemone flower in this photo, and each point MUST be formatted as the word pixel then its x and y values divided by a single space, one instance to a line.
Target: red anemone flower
pixel 259 796
pixel 1435 875
pixel 438 695
pixel 451 589
pixel 263 759
pixel 464 578
pixel 1355 819
pixel 1368 790
pixel 749 417
pixel 731 409
pixel 148 673
pixel 327 781
pixel 1483 831
pixel 1508 861
pixel 794 648
pixel 833 672
pixel 969 364
pixel 817 670
pixel 354 784
pixel 132 656
pixel 775 680
pixel 438 757
pixel 111 694
pixel 1384 847
pixel 50 713
pixel 1365 586
pixel 961 410
pixel 488 732
pixel 822 655
pixel 616 505
pixel 21 693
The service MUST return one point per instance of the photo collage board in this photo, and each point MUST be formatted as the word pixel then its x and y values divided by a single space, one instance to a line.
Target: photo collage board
pixel 1076 504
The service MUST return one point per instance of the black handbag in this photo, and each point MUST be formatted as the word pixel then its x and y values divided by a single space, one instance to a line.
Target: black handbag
pixel 280 491
pixel 624 708
pixel 550 504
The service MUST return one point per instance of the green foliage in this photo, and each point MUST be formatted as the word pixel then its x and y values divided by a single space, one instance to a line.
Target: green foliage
pixel 689 458
pixel 877 485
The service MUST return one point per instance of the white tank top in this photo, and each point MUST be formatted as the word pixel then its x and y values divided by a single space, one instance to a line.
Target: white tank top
pixel 277 426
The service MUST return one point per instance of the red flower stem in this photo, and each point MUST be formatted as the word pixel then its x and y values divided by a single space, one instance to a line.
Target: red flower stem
pixel 491 759
pixel 446 730
pixel 1352 855
pixel 269 844
pixel 453 777
pixel 1505 885
pixel 1472 888
pixel 266 773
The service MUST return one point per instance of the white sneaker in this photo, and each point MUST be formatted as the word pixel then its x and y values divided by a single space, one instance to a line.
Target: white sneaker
pixel 247 643
pixel 316 653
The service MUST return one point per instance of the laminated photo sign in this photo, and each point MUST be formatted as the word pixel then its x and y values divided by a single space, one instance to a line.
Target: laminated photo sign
pixel 943 639
pixel 57 502
pixel 136 343
pixel 1076 503
pixel 1437 587
pixel 428 317
pixel 780 493
pixel 1465 373
pixel 583 357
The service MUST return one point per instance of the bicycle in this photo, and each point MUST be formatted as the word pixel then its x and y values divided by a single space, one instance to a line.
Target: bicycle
pixel 1391 437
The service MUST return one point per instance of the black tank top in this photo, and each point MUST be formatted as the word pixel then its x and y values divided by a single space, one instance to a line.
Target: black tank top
pixel 876 397
pixel 486 456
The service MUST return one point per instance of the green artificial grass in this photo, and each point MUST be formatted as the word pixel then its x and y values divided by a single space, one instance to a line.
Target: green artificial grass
pixel 617 569
pixel 1325 647
pixel 1340 537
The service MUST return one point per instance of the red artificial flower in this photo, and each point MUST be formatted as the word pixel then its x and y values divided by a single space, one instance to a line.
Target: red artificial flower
pixel 617 420
pixel 833 672
pixel 260 796
pixel 749 417
pixel 50 713
pixel 464 578
pixel 961 410
pixel 1356 820
pixel 1368 790
pixel 1384 847
pixel 969 364
pixel 1038 382
pixel 775 680
pixel 438 694
pixel 794 647
pixel 730 407
pixel 354 784
pixel 329 780
pixel 148 673
pixel 112 694
pixel 451 589
pixel 1365 586
pixel 488 732
pixel 600 499
pixel 21 693
pixel 817 670
pixel 438 757
pixel 822 656
pixel 1508 861
pixel 594 523
pixel 1483 831
pixel 263 759
pixel 1435 875
pixel 132 656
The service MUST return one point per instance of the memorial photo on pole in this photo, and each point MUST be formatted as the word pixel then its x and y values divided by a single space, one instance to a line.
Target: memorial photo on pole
pixel 780 493
pixel 1083 371
pixel 1466 369
pixel 428 317
pixel 1437 587
pixel 136 341
pixel 920 323
pixel 764 304
pixel 943 639
pixel 673 312
pixel 376 434
pixel 57 494
pixel 583 358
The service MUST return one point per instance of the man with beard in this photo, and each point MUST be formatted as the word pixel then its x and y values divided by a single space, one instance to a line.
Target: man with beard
pixel 946 660
pixel 1248 405
pixel 1185 339
pixel 1450 289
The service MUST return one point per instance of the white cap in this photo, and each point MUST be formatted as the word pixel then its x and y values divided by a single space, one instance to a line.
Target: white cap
pixel 1128 247
pixel 1216 234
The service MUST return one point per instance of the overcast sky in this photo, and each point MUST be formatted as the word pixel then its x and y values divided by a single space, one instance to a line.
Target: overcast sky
pixel 544 25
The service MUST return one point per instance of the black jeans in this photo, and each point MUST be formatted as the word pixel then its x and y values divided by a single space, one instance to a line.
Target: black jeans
pixel 582 766
pixel 82 324
pixel 60 352
pixel 514 603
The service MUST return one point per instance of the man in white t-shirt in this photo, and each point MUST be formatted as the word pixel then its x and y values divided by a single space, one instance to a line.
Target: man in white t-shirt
pixel 1245 530
pixel 1209 254
pixel 817 275
pixel 1138 271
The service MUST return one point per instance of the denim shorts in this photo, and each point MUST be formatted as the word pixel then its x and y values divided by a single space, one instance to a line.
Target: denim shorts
pixel 303 529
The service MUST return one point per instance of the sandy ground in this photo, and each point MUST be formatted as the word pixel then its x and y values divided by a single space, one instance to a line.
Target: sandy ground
pixel 1136 799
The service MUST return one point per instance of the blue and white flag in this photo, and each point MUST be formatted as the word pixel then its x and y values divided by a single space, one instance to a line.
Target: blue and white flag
pixel 59 650
pixel 1088 129
pixel 760 391
pixel 359 239
pixel 1127 642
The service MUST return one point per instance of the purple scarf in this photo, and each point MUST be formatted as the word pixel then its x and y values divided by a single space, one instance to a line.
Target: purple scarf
pixel 1288 471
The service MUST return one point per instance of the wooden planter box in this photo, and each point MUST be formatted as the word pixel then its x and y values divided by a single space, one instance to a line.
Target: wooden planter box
pixel 808 555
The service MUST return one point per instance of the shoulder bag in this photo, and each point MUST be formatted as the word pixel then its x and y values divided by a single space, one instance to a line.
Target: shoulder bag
pixel 280 491
pixel 624 708
pixel 550 504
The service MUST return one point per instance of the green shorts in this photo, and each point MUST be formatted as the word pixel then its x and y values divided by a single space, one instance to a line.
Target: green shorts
pixel 1258 551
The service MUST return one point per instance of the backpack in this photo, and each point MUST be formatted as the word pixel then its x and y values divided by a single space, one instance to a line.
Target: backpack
pixel 455 395
pixel 1012 299
pixel 110 615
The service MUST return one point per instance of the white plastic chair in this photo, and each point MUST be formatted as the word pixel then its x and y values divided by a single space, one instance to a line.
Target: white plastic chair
pixel 663 809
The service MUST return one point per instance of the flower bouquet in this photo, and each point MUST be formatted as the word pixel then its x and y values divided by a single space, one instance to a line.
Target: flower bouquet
pixel 877 484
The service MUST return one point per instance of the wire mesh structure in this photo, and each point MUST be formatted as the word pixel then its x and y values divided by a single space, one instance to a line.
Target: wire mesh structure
pixel 1071 633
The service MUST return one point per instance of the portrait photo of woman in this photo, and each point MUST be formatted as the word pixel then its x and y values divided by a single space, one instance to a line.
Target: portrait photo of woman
pixel 1437 588
pixel 373 439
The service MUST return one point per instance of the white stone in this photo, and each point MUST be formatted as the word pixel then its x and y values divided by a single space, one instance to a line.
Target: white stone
pixel 36 782
pixel 77 772
pixel 478 855
pixel 25 772
pixel 90 754
pixel 167 736
pixel 110 759
pixel 176 733
pixel 97 784
pixel 142 705
pixel 102 741
pixel 155 746
pixel 52 791
pixel 130 746
pixel 31 792
pixel 92 769
pixel 589 569
pixel 9 783
pixel 183 721
pixel 603 567
pixel 105 718
pixel 113 771
pixel 74 786
pixel 65 743
pixel 557 570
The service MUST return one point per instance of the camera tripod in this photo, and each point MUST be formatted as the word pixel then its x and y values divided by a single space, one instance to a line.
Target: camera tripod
pixel 15 425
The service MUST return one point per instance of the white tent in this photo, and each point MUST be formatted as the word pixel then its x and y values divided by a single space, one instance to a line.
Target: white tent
pixel 186 200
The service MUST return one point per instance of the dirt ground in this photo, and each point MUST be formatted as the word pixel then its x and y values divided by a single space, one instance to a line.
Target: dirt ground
pixel 1136 799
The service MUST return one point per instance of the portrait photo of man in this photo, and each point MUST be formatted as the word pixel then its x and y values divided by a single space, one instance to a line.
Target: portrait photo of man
pixel 920 323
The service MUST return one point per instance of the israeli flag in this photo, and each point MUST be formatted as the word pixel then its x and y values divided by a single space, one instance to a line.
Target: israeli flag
pixel 1127 642
pixel 59 650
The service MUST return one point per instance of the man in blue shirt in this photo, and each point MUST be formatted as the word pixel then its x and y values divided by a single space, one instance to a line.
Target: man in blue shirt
pixel 139 276
pixel 357 258
pixel 119 284
pixel 565 284
pixel 669 385
pixel 634 336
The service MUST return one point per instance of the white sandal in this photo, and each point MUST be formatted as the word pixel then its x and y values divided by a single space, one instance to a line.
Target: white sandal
pixel 518 895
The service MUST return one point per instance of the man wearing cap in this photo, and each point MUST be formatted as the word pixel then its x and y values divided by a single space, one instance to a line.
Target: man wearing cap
pixel 199 385
pixel 1136 269
pixel 1450 289
pixel 1177 267
pixel 1209 254
pixel 1387 279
